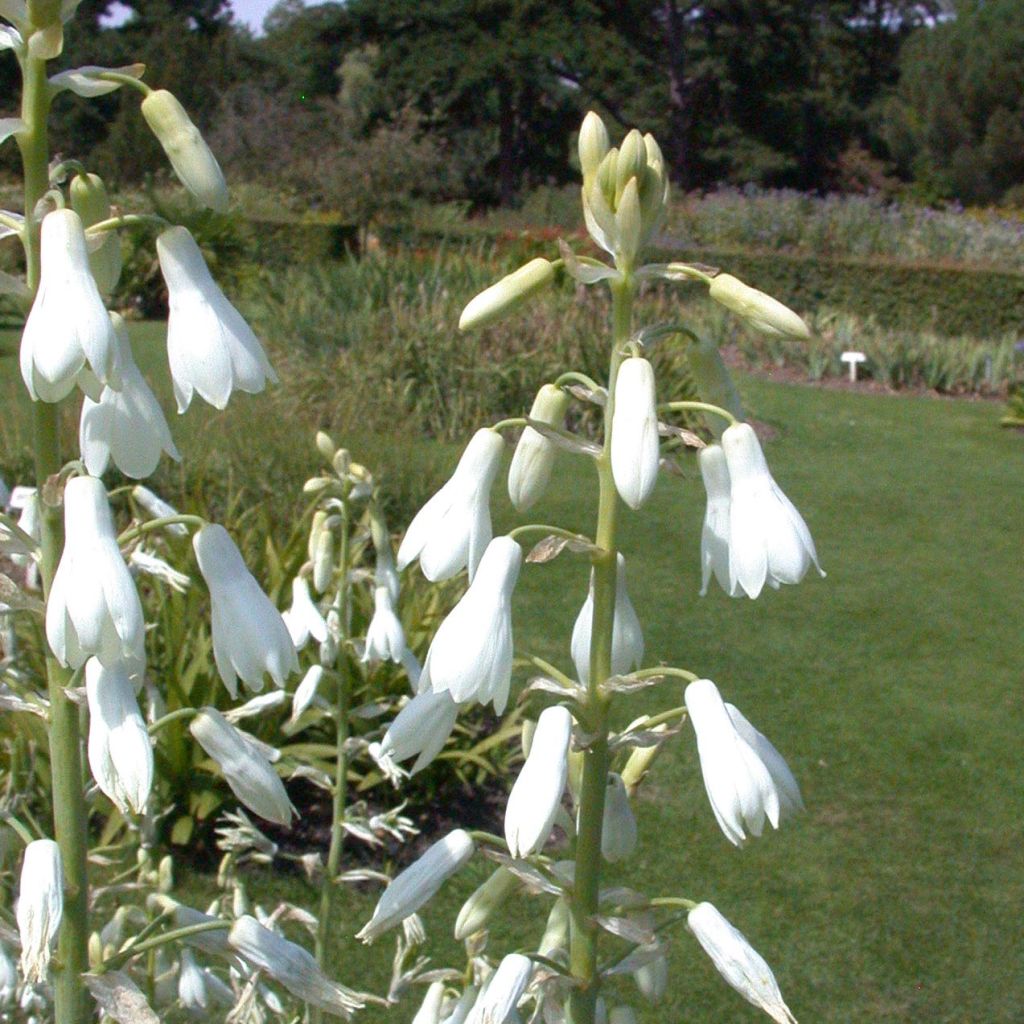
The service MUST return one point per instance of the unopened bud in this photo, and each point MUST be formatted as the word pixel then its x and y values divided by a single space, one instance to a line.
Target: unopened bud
pixel 508 294
pixel 341 461
pixel 489 897
pixel 761 311
pixel 190 156
pixel 323 561
pixel 629 222
pixel 593 144
pixel 89 200
pixel 631 161
pixel 639 763
pixel 165 875
pixel 556 931
pixel 316 527
pixel 325 446
pixel 534 457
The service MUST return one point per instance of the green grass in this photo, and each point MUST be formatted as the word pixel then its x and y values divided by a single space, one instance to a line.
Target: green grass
pixel 892 687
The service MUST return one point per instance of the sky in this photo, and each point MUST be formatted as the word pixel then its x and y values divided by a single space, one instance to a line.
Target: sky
pixel 252 12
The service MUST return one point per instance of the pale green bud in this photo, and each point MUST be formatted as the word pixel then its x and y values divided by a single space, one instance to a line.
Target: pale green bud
pixel 631 161
pixel 89 200
pixel 323 561
pixel 342 461
pixel 485 900
pixel 629 222
pixel 534 457
pixel 165 875
pixel 193 163
pixel 714 382
pixel 315 529
pixel 325 446
pixel 556 931
pixel 526 731
pixel 639 763
pixel 508 294
pixel 606 176
pixel 761 311
pixel 593 144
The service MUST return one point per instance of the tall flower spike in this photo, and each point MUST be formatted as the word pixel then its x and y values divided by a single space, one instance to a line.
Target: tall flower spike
pixel 418 883
pixel 249 635
pixel 714 535
pixel 68 338
pixel 249 774
pixel 537 793
pixel 421 729
pixel 635 442
pixel 40 906
pixel 627 636
pixel 453 528
pixel 120 754
pixel 93 607
pixel 768 539
pixel 211 349
pixel 738 962
pixel 746 780
pixel 470 656
pixel 128 425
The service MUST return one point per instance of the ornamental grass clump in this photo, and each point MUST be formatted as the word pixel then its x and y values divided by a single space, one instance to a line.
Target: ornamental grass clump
pixel 571 812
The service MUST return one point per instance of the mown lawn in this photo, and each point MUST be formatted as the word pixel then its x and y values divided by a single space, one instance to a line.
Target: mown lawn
pixel 893 687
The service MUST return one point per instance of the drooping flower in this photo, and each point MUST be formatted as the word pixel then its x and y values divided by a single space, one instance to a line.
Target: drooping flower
pixel 714 535
pixel 746 779
pixel 303 618
pixel 635 441
pixel 40 906
pixel 618 832
pixel 246 770
pixel 537 793
pixel 93 607
pixel 190 156
pixel 421 729
pixel 305 692
pixel 627 635
pixel 385 639
pixel 249 635
pixel 738 962
pixel 418 883
pixel 291 966
pixel 470 656
pixel 68 337
pixel 453 528
pixel 120 754
pixel 768 539
pixel 534 457
pixel 211 349
pixel 497 1002
pixel 430 1009
pixel 127 425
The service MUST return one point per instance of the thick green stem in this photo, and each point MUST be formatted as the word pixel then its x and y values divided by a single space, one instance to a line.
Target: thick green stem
pixel 584 907
pixel 341 709
pixel 71 1000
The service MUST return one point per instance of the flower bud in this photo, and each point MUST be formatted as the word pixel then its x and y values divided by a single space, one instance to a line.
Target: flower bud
pixel 593 144
pixel 418 883
pixel 193 163
pixel 476 912
pixel 89 200
pixel 323 560
pixel 738 962
pixel 556 932
pixel 534 457
pixel 638 764
pixel 508 294
pixel 40 906
pixel 498 1001
pixel 629 223
pixel 635 441
pixel 761 311
pixel 630 162
pixel 618 831
pixel 325 445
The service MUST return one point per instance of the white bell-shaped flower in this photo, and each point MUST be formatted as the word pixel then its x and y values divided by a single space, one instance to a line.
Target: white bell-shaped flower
pixel 249 635
pixel 618 830
pixel 746 779
pixel 40 906
pixel 120 754
pixel 768 539
pixel 453 528
pixel 738 962
pixel 421 729
pixel 497 1003
pixel 303 618
pixel 627 636
pixel 418 883
pixel 93 607
pixel 635 441
pixel 537 793
pixel 68 338
pixel 305 692
pixel 211 349
pixel 470 656
pixel 128 425
pixel 291 966
pixel 385 638
pixel 714 536
pixel 245 768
